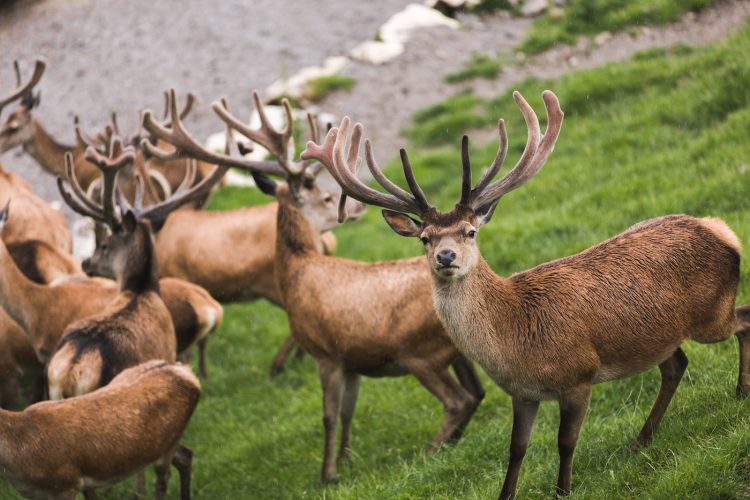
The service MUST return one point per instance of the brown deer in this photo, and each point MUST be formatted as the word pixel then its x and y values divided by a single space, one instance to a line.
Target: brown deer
pixel 137 326
pixel 550 333
pixel 100 438
pixel 17 360
pixel 246 273
pixel 354 318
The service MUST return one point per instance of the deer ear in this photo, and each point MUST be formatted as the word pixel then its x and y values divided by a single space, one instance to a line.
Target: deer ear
pixel 402 224
pixel 485 213
pixel 265 184
pixel 129 221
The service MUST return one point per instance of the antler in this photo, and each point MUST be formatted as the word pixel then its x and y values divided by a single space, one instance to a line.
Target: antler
pixel 331 155
pixel 119 157
pixel 534 156
pixel 484 194
pixel 22 89
pixel 188 147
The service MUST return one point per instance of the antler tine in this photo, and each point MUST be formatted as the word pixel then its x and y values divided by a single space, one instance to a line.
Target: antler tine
pixel 113 119
pixel 384 181
pixel 497 163
pixel 188 147
pixel 312 121
pixel 22 89
pixel 280 144
pixel 83 139
pixel 419 196
pixel 73 194
pixel 75 185
pixel 119 157
pixel 528 167
pixel 330 154
pixel 465 172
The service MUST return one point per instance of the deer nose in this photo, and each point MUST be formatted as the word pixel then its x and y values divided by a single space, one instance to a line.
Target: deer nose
pixel 86 266
pixel 445 257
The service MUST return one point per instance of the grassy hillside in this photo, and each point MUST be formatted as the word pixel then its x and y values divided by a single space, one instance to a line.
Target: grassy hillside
pixel 665 133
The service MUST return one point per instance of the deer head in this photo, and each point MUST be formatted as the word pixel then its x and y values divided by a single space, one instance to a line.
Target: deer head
pixel 129 245
pixel 301 187
pixel 449 237
pixel 18 128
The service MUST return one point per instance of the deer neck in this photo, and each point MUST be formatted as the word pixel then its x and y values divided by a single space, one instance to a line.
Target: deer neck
pixel 296 239
pixel 46 150
pixel 478 310
pixel 18 295
pixel 140 273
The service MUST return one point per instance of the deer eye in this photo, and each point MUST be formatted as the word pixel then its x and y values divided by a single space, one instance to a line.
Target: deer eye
pixel 425 240
pixel 472 233
pixel 328 199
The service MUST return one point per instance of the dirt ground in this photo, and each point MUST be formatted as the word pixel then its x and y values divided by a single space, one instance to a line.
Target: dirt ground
pixel 107 55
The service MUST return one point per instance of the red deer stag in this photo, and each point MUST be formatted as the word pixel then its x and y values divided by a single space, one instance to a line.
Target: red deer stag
pixel 137 326
pixel 248 234
pixel 100 438
pixel 550 333
pixel 394 334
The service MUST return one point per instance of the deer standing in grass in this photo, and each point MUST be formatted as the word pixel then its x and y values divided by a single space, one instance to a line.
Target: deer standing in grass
pixel 234 256
pixel 354 318
pixel 54 449
pixel 550 333
pixel 137 326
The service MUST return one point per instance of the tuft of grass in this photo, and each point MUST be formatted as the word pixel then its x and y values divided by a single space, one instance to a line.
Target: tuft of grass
pixel 321 87
pixel 587 17
pixel 480 66
pixel 440 124
pixel 664 134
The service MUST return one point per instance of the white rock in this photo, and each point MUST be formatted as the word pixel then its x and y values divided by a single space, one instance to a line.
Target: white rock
pixel 602 37
pixel 296 85
pixel 84 240
pixel 399 27
pixel 377 52
pixel 534 7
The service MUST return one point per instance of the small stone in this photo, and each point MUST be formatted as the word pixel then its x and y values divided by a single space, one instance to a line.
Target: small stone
pixel 573 61
pixel 602 37
pixel 533 8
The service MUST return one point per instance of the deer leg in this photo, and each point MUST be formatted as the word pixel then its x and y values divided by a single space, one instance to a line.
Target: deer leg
pixel 331 375
pixel 183 462
pixel 671 370
pixel 162 478
pixel 458 404
pixel 89 494
pixel 743 383
pixel 524 413
pixel 202 369
pixel 277 366
pixel 468 378
pixel 140 485
pixel 349 401
pixel 573 407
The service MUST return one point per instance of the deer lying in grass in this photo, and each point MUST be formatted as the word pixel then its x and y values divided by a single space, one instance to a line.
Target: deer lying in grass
pixel 609 312
pixel 233 257
pixel 22 129
pixel 354 318
pixel 100 438
pixel 137 327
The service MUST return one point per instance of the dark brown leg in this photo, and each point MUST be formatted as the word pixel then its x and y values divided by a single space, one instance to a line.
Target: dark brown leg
pixel 202 344
pixel 743 382
pixel 162 478
pixel 89 494
pixel 183 462
pixel 468 378
pixel 573 407
pixel 331 378
pixel 458 404
pixel 671 370
pixel 524 413
pixel 348 403
pixel 277 366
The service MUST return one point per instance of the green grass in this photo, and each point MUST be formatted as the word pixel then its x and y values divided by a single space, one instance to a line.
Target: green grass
pixel 320 87
pixel 667 133
pixel 586 17
pixel 480 66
